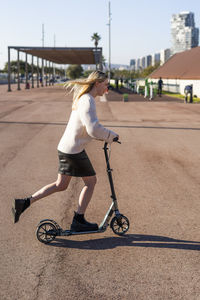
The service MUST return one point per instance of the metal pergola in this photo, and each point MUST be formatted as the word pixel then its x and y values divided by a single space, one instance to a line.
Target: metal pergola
pixel 50 55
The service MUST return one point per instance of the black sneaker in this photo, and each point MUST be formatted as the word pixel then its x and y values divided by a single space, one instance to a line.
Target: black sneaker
pixel 19 206
pixel 82 225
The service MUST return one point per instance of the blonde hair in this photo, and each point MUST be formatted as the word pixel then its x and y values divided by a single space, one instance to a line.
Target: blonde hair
pixel 84 86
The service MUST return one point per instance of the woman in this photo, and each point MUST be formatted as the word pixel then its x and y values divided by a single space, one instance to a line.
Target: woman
pixel 83 125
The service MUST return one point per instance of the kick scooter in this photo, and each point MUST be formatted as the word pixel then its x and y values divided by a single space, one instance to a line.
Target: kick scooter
pixel 47 230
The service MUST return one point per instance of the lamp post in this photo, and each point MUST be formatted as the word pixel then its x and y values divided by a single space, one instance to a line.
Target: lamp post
pixel 42 84
pixel 54 74
pixel 109 35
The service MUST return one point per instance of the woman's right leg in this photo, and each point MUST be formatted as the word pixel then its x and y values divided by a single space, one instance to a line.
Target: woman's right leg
pixel 20 205
pixel 59 185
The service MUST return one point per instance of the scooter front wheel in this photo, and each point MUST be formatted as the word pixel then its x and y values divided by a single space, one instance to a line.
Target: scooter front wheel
pixel 120 225
pixel 46 232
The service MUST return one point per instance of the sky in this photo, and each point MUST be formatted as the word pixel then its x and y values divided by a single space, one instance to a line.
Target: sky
pixel 138 28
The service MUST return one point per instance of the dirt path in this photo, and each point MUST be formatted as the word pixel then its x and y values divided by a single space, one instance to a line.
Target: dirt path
pixel 156 177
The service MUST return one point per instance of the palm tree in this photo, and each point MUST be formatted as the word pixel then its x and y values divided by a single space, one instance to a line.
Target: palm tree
pixel 96 38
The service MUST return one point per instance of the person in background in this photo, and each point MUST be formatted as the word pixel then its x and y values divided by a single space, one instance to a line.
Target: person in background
pixel 188 92
pixel 160 85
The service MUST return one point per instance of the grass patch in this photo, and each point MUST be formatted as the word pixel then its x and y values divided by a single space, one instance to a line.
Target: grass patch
pixel 179 96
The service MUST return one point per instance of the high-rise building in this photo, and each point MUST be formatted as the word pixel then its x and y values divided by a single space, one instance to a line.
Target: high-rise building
pixel 138 64
pixel 132 64
pixel 148 61
pixel 184 33
pixel 155 58
pixel 164 55
pixel 142 62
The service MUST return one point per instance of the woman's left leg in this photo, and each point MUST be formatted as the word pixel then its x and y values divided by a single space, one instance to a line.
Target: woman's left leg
pixel 79 223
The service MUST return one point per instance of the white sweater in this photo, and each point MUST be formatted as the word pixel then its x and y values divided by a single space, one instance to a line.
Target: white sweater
pixel 83 125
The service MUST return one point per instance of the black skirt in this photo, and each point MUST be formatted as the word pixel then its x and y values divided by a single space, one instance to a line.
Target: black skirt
pixel 77 165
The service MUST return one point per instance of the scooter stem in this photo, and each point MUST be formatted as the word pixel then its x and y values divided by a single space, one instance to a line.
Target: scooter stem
pixel 109 172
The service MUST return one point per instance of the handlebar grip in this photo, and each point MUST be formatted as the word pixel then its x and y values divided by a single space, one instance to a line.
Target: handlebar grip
pixel 116 139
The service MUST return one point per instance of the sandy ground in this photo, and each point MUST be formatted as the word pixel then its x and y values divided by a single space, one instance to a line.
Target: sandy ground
pixel 157 181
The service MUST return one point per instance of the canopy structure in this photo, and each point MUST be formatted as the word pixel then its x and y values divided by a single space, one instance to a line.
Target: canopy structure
pixel 58 55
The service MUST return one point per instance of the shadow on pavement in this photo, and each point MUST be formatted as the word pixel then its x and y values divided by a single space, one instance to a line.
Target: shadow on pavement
pixel 129 240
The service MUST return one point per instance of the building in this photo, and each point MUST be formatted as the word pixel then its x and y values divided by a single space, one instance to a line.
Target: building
pixel 148 61
pixel 132 64
pixel 155 58
pixel 164 55
pixel 183 31
pixel 142 60
pixel 180 70
pixel 138 64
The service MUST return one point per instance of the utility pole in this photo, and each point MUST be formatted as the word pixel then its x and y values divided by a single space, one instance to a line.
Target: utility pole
pixel 42 59
pixel 109 34
pixel 42 35
pixel 54 74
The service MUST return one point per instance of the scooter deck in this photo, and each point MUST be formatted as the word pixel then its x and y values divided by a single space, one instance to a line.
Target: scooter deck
pixel 70 232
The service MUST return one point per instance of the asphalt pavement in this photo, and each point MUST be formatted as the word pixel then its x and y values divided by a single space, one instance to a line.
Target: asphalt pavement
pixel 157 180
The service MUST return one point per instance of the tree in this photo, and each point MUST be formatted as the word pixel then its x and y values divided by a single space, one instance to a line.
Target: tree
pixel 22 67
pixel 13 67
pixel 87 73
pixel 132 74
pixel 144 73
pixel 74 71
pixel 96 38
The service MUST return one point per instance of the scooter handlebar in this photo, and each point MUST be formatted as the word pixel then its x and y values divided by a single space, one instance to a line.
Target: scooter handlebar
pixel 116 140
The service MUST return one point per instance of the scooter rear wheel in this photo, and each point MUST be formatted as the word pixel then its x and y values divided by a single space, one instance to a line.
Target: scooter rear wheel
pixel 46 232
pixel 120 225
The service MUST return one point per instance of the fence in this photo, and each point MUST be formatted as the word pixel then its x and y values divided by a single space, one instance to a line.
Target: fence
pixel 168 87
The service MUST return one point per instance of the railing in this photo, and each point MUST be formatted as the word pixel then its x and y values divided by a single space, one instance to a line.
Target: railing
pixel 173 88
pixel 168 87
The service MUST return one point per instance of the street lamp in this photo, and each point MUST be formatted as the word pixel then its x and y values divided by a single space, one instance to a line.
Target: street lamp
pixel 109 35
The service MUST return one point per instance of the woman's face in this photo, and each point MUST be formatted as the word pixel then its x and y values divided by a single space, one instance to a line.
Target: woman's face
pixel 102 87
